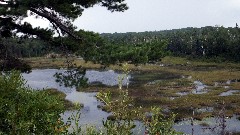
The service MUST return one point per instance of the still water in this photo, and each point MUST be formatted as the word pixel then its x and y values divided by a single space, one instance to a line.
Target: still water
pixel 92 116
pixel 44 78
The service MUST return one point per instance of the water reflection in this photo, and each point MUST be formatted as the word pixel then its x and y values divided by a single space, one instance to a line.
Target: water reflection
pixel 204 127
pixel 44 78
pixel 109 77
pixel 72 78
pixel 90 114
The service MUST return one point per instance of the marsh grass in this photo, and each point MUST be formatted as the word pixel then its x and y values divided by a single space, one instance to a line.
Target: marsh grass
pixel 153 84
pixel 62 96
pixel 235 85
pixel 182 104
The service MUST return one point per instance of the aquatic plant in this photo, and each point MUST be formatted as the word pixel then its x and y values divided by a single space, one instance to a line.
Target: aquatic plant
pixel 125 112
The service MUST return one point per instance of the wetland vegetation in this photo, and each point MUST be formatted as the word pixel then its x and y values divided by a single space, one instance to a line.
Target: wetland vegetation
pixel 172 83
pixel 162 85
pixel 148 80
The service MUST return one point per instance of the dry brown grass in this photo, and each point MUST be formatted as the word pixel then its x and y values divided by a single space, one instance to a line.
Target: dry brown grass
pixel 58 63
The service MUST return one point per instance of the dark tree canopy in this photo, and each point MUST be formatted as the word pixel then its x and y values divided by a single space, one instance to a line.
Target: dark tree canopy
pixel 60 13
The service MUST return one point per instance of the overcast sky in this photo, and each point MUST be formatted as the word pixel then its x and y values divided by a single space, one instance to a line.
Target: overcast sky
pixel 151 15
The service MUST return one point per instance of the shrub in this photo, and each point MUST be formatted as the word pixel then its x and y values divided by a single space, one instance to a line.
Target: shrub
pixel 27 111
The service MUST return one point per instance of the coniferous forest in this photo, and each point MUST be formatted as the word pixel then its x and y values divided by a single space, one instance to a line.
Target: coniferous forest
pixel 211 43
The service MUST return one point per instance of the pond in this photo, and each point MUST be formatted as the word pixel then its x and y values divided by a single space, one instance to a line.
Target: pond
pixel 90 114
pixel 44 78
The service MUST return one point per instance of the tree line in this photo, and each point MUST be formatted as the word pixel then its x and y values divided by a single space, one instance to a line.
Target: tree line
pixel 26 48
pixel 96 48
pixel 210 42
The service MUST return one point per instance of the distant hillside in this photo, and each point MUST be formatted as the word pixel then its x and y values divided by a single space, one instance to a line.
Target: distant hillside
pixel 206 42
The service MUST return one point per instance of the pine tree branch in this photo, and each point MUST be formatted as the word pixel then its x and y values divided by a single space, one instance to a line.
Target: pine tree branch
pixel 56 21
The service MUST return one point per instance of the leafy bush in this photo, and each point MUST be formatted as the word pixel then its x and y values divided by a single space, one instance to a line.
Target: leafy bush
pixel 27 111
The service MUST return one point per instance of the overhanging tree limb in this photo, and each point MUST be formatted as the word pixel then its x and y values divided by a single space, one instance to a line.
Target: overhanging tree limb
pixel 56 21
pixel 59 12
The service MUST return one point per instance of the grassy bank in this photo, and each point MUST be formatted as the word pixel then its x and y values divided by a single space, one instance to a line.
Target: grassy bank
pixel 62 96
pixel 42 62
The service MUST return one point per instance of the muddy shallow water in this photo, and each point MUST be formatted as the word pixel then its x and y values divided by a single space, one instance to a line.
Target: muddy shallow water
pixel 229 93
pixel 208 126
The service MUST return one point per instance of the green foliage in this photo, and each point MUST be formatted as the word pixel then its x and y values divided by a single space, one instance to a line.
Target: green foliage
pixel 216 43
pixel 76 128
pixel 25 111
pixel 22 48
pixel 112 53
pixel 158 50
pixel 60 13
pixel 118 127
pixel 159 124
pixel 124 113
pixel 14 63
pixel 122 108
